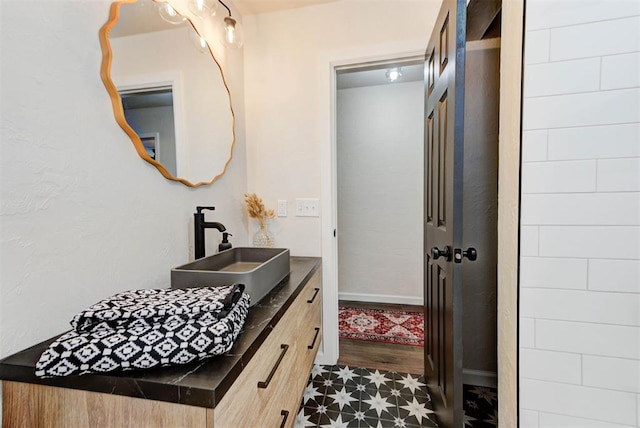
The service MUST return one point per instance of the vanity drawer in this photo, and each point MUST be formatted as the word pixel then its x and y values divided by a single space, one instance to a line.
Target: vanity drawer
pixel 281 366
pixel 245 404
pixel 292 382
pixel 310 326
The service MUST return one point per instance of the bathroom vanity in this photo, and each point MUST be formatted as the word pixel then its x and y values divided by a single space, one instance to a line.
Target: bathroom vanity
pixel 258 383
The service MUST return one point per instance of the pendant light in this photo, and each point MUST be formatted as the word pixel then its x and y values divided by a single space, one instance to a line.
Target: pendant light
pixel 231 30
pixel 169 14
pixel 203 8
pixel 198 41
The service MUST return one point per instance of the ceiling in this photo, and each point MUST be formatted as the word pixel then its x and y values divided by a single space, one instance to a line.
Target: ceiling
pixel 252 7
pixel 142 17
pixel 374 76
pixel 138 18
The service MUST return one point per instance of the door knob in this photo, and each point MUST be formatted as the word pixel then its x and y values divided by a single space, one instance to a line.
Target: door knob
pixel 436 253
pixel 470 253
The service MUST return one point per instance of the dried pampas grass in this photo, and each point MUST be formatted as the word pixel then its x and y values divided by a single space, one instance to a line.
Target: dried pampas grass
pixel 257 210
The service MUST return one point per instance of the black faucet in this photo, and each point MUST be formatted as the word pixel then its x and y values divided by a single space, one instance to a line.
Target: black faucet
pixel 199 226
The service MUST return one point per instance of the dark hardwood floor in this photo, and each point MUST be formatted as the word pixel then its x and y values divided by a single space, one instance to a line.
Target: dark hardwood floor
pixel 381 356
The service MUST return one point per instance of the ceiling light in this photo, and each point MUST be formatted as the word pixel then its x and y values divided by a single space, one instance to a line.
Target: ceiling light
pixel 393 74
pixel 231 30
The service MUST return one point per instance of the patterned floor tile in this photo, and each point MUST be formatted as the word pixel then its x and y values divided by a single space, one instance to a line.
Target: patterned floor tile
pixel 354 397
pixel 343 396
pixel 480 406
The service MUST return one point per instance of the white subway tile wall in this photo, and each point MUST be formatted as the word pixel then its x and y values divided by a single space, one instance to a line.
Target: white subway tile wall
pixel 529 240
pixel 595 39
pixel 580 215
pixel 619 175
pixel 611 373
pixel 534 145
pixel 548 272
pixel 621 71
pixel 614 275
pixel 594 142
pixel 545 14
pixel 588 403
pixel 597 242
pixel 550 420
pixel 586 338
pixel 537 46
pixel 559 177
pixel 566 77
pixel 554 366
pixel 585 109
pixel 529 419
pixel 611 209
pixel 527 332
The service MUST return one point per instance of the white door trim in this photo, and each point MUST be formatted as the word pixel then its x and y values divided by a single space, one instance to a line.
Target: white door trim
pixel 333 62
pixel 171 79
pixel 509 208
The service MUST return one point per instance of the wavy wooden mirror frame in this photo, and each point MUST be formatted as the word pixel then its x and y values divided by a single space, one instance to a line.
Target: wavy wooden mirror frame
pixel 116 102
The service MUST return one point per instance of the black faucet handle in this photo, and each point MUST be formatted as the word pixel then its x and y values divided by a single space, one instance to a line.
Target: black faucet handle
pixel 199 209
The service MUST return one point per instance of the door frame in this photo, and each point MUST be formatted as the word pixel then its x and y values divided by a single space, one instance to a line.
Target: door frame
pixel 508 196
pixel 151 81
pixel 509 142
pixel 329 190
pixel 380 63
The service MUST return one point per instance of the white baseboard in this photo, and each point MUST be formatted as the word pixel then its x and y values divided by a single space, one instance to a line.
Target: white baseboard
pixel 381 298
pixel 480 378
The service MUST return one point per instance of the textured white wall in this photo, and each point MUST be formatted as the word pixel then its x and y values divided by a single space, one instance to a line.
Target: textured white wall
pixel 81 215
pixel 380 163
pixel 287 73
pixel 579 266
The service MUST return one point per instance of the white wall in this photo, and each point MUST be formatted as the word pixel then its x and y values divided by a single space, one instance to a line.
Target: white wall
pixel 81 215
pixel 580 248
pixel 380 161
pixel 287 75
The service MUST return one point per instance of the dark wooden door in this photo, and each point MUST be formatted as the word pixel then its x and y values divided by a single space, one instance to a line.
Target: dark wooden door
pixel 444 142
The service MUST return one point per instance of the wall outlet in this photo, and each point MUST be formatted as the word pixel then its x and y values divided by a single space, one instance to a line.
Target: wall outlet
pixel 282 207
pixel 307 208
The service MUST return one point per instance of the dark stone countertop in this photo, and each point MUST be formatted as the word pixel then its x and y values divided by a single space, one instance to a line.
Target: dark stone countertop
pixel 201 383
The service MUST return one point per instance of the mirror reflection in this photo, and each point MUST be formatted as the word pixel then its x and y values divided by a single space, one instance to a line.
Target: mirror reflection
pixel 170 93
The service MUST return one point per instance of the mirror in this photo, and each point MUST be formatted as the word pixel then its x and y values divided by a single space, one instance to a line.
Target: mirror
pixel 168 91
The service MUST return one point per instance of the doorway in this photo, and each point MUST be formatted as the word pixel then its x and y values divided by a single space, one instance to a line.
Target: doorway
pixel 379 146
pixel 379 135
pixel 150 112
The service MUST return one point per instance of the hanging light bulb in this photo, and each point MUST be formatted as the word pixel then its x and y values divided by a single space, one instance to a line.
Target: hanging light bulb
pixel 198 41
pixel 232 32
pixel 393 74
pixel 203 8
pixel 169 14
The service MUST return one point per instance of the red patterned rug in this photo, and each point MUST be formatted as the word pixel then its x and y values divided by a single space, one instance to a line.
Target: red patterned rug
pixel 378 325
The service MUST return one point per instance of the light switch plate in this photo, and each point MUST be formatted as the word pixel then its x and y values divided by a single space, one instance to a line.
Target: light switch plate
pixel 307 207
pixel 282 207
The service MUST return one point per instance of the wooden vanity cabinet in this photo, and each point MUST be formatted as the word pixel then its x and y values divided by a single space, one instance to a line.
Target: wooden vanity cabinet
pixel 245 404
pixel 268 391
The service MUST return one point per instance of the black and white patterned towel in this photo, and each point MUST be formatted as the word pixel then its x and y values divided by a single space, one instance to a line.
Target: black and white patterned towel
pixel 176 339
pixel 153 306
